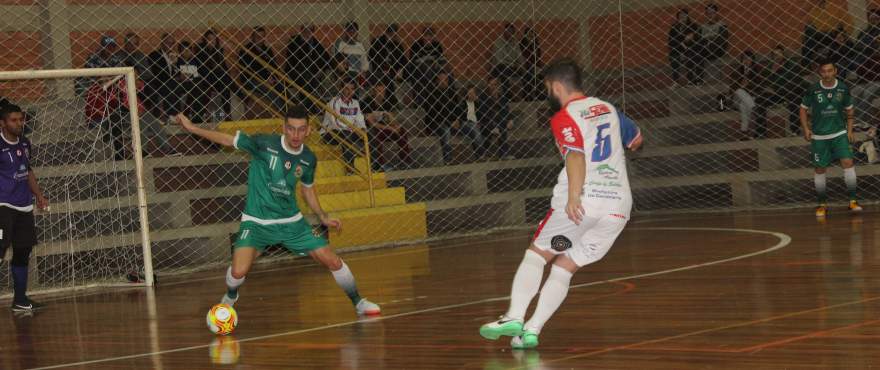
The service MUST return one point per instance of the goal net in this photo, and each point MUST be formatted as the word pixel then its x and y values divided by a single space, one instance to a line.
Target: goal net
pixel 81 153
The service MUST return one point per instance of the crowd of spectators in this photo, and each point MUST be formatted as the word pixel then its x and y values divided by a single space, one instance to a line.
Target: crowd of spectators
pixel 759 83
pixel 359 81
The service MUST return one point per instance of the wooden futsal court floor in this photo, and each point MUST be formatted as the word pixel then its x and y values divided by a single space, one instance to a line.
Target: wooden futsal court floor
pixel 735 291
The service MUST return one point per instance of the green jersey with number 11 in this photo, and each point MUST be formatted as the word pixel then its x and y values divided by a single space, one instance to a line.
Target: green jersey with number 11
pixel 275 169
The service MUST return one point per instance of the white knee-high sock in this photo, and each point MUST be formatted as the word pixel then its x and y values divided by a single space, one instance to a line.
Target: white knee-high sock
pixel 819 181
pixel 849 176
pixel 525 284
pixel 552 295
pixel 232 283
pixel 345 280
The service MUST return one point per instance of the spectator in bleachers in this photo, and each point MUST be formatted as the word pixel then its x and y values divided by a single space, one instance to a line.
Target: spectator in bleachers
pixel 467 122
pixel 335 77
pixel 866 38
pixel 306 62
pixel 163 89
pixel 842 52
pixel 349 46
pixel 822 20
pixel 190 75
pixel 497 120
pixel 747 84
pixel 868 87
pixel 255 76
pixel 388 57
pixel 532 64
pixel 212 56
pixel 506 57
pixel 785 86
pixel 106 56
pixel 335 131
pixel 714 38
pixel 683 42
pixel 426 60
pixel 132 56
pixel 440 105
pixel 380 110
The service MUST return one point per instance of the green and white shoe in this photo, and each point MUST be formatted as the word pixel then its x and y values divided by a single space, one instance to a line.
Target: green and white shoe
pixel 504 326
pixel 528 339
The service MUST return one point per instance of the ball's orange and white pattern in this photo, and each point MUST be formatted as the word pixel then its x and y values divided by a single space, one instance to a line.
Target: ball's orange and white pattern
pixel 222 319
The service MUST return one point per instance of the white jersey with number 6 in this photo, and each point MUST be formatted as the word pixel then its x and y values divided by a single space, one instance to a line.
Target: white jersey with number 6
pixel 595 128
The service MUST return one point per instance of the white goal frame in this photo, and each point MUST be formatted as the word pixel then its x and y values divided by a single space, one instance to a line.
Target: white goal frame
pixel 131 90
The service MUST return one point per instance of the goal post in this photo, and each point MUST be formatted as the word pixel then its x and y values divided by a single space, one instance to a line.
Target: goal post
pixel 74 164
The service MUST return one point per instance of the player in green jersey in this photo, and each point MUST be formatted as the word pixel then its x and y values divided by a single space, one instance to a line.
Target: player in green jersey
pixel 271 215
pixel 827 123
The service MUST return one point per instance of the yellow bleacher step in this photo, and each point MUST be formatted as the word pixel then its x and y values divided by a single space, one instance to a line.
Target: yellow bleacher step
pixel 330 169
pixel 345 184
pixel 380 225
pixel 357 199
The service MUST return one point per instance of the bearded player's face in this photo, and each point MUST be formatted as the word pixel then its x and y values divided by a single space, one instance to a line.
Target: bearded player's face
pixel 554 101
pixel 296 130
pixel 14 123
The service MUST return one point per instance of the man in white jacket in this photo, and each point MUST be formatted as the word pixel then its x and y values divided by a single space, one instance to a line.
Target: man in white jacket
pixel 334 130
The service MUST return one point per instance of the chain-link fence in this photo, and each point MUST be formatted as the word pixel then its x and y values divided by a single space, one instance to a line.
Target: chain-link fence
pixel 450 96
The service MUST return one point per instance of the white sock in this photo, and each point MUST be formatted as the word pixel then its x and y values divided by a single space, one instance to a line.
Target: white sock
pixel 525 284
pixel 849 176
pixel 345 280
pixel 552 295
pixel 232 283
pixel 819 181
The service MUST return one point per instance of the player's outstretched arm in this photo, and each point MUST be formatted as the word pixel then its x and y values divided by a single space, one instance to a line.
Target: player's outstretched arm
pixel 211 135
pixel 311 197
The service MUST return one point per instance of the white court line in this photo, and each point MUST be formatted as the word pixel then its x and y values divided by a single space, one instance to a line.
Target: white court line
pixel 784 241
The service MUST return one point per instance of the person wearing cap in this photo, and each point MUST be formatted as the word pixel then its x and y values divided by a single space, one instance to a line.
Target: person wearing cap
pixel 106 56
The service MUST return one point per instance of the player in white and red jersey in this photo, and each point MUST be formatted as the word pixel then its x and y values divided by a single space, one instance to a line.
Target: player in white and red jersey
pixel 590 206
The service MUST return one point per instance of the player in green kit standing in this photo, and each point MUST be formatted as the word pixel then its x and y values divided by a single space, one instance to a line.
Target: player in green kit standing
pixel 827 123
pixel 271 215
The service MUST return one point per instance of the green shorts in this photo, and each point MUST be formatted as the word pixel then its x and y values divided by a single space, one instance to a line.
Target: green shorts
pixel 297 236
pixel 824 152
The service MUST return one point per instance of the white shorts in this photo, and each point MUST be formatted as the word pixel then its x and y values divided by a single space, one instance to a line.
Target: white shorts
pixel 585 243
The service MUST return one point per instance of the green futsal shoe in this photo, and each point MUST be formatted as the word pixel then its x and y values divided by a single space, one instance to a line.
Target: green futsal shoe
pixel 504 326
pixel 528 339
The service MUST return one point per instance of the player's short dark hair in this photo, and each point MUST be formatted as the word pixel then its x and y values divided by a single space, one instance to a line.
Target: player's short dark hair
pixel 565 71
pixel 297 112
pixel 8 109
pixel 826 60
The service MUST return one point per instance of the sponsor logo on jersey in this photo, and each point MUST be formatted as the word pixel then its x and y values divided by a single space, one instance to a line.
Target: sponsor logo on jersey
pixel 608 172
pixel 568 134
pixel 595 111
pixel 270 150
pixel 304 162
pixel 298 172
pixel 287 165
pixel 18 152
